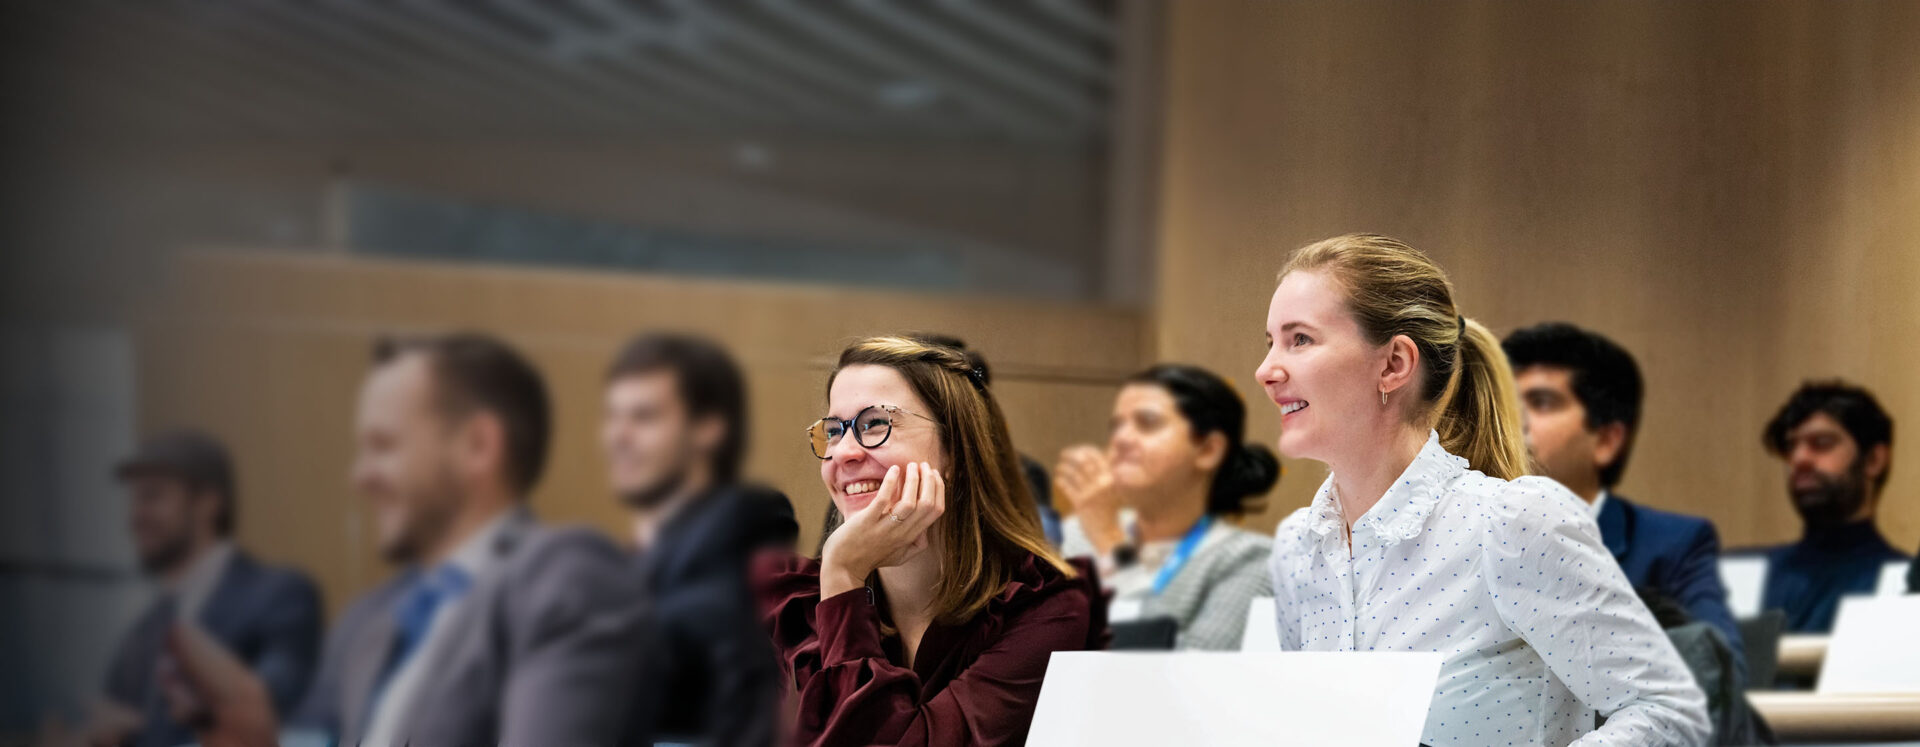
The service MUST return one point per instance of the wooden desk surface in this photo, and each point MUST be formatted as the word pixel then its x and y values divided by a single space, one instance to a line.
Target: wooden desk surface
pixel 1799 717
pixel 1801 655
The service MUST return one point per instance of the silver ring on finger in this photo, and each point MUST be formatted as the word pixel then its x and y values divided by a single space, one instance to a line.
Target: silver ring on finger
pixel 897 517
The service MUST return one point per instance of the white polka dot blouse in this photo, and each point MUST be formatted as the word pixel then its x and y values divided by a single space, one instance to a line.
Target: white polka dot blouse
pixel 1510 581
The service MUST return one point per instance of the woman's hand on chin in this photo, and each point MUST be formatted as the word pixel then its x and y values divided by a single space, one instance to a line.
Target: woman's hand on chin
pixel 891 530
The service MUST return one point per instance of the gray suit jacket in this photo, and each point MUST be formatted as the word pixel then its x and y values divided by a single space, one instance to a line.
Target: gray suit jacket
pixel 544 650
pixel 269 617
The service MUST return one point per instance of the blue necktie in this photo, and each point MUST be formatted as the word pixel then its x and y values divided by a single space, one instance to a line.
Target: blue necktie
pixel 414 615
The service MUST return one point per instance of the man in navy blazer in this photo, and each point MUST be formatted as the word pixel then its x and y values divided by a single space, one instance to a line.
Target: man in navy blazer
pixel 182 514
pixel 1581 395
pixel 673 430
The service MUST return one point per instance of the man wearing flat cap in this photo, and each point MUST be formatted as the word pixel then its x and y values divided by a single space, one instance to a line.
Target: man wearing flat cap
pixel 181 515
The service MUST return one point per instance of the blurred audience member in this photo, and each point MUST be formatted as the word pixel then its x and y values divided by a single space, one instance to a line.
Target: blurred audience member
pixel 1837 445
pixel 496 630
pixel 1581 395
pixel 183 511
pixel 932 612
pixel 1154 508
pixel 674 434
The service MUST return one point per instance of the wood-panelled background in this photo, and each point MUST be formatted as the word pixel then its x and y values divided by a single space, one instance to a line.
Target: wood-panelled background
pixel 269 350
pixel 1730 190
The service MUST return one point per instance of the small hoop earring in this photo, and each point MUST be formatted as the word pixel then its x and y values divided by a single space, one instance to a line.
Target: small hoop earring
pixel 1383 396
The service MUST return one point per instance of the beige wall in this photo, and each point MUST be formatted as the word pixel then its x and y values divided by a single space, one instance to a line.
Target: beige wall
pixel 1731 190
pixel 268 351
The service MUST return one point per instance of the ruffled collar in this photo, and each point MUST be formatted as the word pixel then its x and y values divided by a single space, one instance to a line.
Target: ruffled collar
pixel 1402 513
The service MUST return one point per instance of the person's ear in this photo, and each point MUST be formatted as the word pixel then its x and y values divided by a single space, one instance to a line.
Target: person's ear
pixel 1877 459
pixel 480 446
pixel 1401 363
pixel 709 432
pixel 1609 444
pixel 1212 452
pixel 205 505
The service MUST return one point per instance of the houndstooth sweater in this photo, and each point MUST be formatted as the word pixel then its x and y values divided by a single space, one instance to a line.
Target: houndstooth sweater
pixel 1208 597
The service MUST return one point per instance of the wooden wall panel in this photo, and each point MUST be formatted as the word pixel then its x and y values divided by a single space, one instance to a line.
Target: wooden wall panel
pixel 269 350
pixel 1730 190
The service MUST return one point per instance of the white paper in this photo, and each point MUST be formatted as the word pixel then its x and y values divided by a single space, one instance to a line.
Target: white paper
pixel 1745 577
pixel 1893 581
pixel 1344 699
pixel 1874 649
pixel 1263 627
pixel 1125 610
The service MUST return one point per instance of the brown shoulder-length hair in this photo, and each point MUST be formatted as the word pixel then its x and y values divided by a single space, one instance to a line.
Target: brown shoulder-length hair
pixel 990 523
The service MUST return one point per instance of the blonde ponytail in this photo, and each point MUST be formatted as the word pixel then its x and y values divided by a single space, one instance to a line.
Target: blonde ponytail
pixel 1480 416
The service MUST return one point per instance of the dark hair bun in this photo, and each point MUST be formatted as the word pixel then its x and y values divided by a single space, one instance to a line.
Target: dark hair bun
pixel 1243 481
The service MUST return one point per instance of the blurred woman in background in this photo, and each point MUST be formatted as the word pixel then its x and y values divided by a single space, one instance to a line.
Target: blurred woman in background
pixel 1155 507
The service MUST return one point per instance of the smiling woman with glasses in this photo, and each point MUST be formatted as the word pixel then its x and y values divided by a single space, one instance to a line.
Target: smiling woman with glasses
pixel 931 613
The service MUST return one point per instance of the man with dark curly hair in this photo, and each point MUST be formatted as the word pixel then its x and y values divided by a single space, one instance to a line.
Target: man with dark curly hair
pixel 1837 444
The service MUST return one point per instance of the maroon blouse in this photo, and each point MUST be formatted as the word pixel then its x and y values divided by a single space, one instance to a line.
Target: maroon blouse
pixel 971 684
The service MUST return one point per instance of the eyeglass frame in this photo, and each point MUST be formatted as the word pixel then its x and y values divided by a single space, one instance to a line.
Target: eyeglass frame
pixel 848 425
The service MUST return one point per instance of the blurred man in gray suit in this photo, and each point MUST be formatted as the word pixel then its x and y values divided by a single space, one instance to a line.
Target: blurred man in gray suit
pixel 181 515
pixel 496 630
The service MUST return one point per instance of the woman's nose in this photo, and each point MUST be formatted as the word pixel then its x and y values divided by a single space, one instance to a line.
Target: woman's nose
pixel 847 449
pixel 1270 371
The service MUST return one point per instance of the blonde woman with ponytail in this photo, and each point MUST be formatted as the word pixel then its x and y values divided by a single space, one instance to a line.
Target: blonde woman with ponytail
pixel 1429 536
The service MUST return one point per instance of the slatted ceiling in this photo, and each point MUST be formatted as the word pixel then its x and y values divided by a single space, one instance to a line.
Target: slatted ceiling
pixel 1038 72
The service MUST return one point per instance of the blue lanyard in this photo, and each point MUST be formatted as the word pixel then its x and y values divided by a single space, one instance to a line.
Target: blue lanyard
pixel 1180 555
